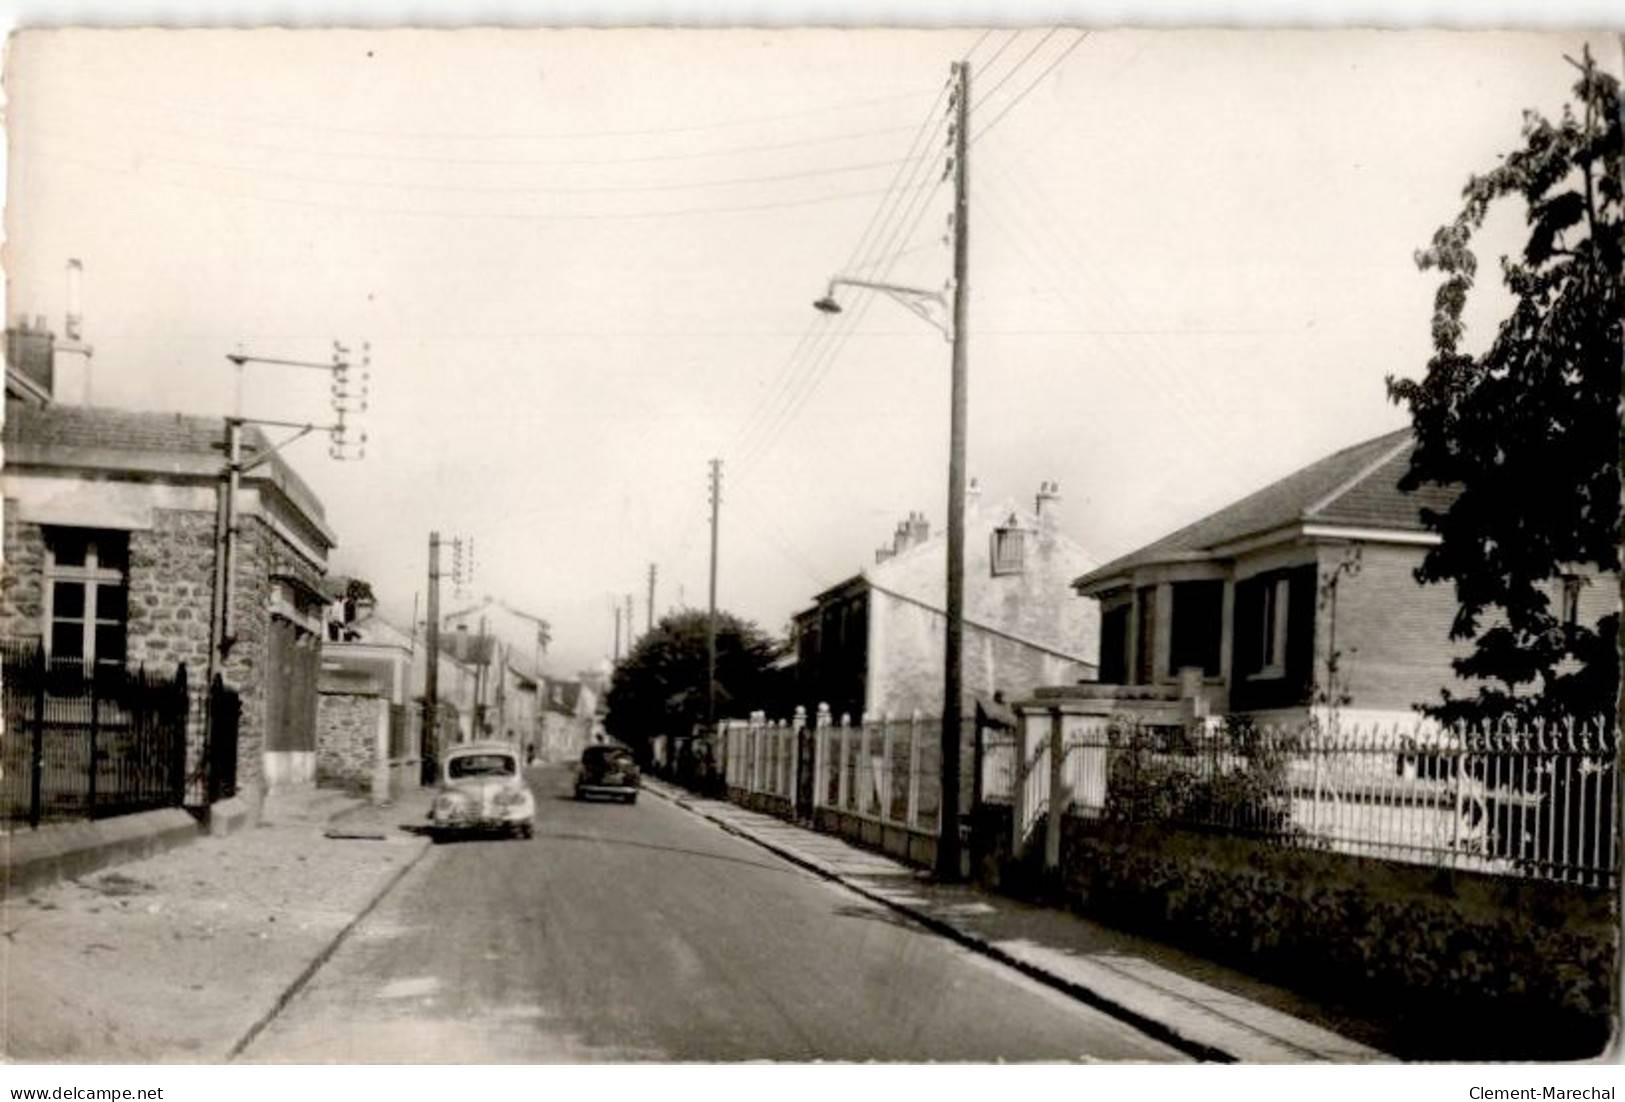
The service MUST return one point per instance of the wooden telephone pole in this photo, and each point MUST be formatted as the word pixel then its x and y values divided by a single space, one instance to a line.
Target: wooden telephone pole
pixel 948 849
pixel 428 772
pixel 711 620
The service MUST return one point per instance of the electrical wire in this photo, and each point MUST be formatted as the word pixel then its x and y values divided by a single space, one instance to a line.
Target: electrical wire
pixel 814 332
pixel 524 189
pixel 751 149
pixel 1076 42
pixel 1010 72
pixel 556 135
pixel 508 216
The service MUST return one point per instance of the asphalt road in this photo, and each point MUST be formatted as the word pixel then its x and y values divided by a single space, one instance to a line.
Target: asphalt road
pixel 646 933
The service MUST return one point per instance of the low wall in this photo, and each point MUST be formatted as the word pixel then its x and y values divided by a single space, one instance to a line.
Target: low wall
pixel 1462 965
pixel 899 842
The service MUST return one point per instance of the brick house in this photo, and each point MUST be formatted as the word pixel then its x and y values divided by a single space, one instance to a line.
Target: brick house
pixel 874 643
pixel 110 544
pixel 1238 612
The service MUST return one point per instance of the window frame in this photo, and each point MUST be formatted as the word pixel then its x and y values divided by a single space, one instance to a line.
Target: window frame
pixel 1272 640
pixel 1000 561
pixel 94 578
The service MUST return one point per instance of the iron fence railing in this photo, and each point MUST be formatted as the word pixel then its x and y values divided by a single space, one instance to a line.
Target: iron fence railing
pixel 94 743
pixel 1540 802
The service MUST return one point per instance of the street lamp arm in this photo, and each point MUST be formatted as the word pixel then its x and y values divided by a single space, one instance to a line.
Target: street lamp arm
pixel 913 298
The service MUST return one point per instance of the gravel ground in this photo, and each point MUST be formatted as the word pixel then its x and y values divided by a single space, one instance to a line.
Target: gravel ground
pixel 175 958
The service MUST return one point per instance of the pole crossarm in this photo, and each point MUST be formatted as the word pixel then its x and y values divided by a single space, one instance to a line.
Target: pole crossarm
pixel 918 300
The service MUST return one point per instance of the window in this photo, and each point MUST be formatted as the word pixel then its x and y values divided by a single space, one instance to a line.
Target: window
pixel 1009 548
pixel 1272 628
pixel 1114 645
pixel 86 596
pixel 1198 622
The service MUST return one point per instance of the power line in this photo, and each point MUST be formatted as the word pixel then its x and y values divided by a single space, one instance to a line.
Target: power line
pixel 1076 42
pixel 794 395
pixel 988 64
pixel 751 149
pixel 464 135
pixel 1010 72
pixel 525 189
pixel 815 333
pixel 508 216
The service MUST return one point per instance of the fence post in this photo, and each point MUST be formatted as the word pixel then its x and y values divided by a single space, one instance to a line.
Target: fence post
pixel 822 722
pixel 36 780
pixel 95 732
pixel 845 779
pixel 817 750
pixel 913 767
pixel 863 775
pixel 887 743
pixel 1057 794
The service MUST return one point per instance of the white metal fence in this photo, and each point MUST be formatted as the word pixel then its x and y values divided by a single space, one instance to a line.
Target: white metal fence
pixel 1540 803
pixel 882 769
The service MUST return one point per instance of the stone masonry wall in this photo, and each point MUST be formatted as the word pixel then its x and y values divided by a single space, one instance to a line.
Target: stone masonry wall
pixel 21 583
pixel 346 750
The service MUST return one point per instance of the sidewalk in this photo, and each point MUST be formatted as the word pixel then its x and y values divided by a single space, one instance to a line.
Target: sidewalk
pixel 1209 1011
pixel 181 957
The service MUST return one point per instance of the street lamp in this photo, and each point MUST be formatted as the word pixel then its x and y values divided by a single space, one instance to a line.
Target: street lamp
pixel 949 319
pixel 916 299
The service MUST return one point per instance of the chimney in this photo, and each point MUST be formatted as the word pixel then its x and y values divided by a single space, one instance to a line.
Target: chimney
pixel 899 538
pixel 973 493
pixel 882 554
pixel 919 529
pixel 73 326
pixel 1046 504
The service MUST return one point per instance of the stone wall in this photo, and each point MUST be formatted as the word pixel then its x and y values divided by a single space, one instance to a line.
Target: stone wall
pixel 346 750
pixel 22 593
pixel 171 581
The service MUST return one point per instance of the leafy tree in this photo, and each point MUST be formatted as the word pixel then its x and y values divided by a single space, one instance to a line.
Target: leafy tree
pixel 1529 430
pixel 659 689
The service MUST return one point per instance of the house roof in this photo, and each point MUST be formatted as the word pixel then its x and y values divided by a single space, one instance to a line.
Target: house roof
pixel 1357 487
pixel 144 442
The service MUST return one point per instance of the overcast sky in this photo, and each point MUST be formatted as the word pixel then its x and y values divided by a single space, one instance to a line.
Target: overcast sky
pixel 585 261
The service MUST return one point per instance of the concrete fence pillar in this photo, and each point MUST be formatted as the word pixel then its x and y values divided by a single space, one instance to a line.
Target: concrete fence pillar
pixel 866 765
pixel 913 767
pixel 844 779
pixel 821 742
pixel 887 740
pixel 1057 791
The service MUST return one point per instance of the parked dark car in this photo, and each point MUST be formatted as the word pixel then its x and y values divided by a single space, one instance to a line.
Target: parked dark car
pixel 608 771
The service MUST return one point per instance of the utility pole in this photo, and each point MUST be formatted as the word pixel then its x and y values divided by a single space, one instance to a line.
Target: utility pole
pixel 711 620
pixel 948 860
pixel 630 637
pixel 616 609
pixel 430 767
pixel 650 624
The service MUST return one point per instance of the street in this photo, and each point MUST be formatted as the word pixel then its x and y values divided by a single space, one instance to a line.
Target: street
pixel 645 933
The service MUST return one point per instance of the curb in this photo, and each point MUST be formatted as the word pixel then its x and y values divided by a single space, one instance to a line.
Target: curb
pixel 309 971
pixel 1151 1027
pixel 67 851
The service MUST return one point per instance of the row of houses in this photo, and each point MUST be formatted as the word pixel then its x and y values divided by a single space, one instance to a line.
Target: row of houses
pixel 112 541
pixel 1295 602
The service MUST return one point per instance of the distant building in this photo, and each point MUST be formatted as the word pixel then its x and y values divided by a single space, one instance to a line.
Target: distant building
pixel 874 643
pixel 110 557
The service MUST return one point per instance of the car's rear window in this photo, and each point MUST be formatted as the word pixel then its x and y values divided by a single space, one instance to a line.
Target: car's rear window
pixel 483 765
pixel 602 755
